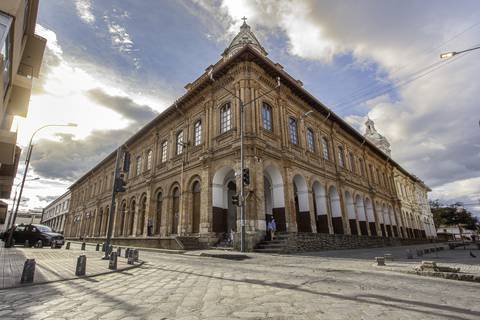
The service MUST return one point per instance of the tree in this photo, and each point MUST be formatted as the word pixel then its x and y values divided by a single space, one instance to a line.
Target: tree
pixel 452 215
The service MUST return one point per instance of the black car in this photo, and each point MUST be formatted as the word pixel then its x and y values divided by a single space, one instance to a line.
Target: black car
pixel 33 233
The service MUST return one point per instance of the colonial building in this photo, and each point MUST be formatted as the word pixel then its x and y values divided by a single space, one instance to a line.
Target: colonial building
pixel 308 168
pixel 21 54
pixel 54 214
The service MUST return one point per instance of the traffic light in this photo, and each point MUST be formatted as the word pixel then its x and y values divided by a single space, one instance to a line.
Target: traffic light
pixel 126 161
pixel 120 184
pixel 246 176
pixel 235 200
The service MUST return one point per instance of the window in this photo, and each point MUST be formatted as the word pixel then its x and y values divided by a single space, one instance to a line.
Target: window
pixel 149 159
pixel 378 176
pixel 372 178
pixel 164 151
pixel 179 142
pixel 360 164
pixel 352 162
pixel 225 118
pixel 341 157
pixel 267 117
pixel 310 140
pixel 139 166
pixel 326 154
pixel 197 133
pixel 292 125
pixel 26 16
pixel 5 48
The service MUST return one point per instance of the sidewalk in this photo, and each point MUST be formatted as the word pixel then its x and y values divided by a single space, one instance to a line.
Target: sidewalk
pixel 52 264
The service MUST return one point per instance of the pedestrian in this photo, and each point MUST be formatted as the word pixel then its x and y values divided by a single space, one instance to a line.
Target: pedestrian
pixel 149 227
pixel 272 227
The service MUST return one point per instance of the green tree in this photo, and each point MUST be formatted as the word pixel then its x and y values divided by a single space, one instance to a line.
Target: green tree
pixel 450 216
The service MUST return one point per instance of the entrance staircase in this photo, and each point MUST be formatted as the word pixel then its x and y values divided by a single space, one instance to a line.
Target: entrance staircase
pixel 278 245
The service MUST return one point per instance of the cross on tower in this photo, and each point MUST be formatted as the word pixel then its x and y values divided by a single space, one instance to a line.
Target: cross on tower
pixel 244 19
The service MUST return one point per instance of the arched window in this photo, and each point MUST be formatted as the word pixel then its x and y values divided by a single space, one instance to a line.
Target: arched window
pixel 310 140
pixel 326 153
pixel 158 215
pixel 179 142
pixel 149 159
pixel 164 151
pixel 292 125
pixel 341 157
pixel 225 118
pixel 352 162
pixel 197 133
pixel 360 164
pixel 267 117
pixel 139 166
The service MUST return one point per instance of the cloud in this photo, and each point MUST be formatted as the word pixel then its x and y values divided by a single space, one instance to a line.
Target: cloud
pixel 84 11
pixel 47 198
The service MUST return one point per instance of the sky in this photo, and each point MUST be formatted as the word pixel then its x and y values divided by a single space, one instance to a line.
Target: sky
pixel 110 66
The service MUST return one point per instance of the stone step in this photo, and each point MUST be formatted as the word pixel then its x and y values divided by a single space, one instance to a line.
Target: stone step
pixel 274 241
pixel 269 250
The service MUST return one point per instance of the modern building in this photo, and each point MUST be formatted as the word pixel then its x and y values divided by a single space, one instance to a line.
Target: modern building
pixel 21 54
pixel 28 217
pixel 309 169
pixel 54 214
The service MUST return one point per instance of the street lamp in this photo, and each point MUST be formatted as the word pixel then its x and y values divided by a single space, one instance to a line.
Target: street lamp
pixel 448 55
pixel 27 163
pixel 13 202
pixel 242 155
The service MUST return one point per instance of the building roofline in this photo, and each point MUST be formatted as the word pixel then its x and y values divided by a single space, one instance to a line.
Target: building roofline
pixel 57 199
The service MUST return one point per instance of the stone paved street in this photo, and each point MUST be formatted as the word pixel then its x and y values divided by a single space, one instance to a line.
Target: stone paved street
pixel 261 287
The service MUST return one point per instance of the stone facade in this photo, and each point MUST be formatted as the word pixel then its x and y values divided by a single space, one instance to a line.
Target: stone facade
pixel 54 214
pixel 310 170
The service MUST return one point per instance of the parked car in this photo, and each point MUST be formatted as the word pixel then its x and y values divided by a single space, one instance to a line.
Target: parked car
pixel 33 233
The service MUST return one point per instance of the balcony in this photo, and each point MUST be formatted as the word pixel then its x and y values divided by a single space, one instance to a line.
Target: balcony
pixel 8 142
pixel 7 174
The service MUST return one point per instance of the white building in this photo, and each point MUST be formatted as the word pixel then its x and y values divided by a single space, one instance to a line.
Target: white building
pixel 54 213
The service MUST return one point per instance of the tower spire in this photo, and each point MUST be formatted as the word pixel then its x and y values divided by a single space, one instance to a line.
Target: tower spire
pixel 243 38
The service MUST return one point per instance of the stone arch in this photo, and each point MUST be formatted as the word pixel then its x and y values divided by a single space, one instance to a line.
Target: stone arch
pixel 175 194
pixel 223 211
pixel 274 197
pixel 142 210
pixel 336 209
pixel 370 216
pixel 106 218
pixel 393 222
pixel 158 211
pixel 352 218
pixel 121 218
pixel 321 208
pixel 362 218
pixel 99 222
pixel 195 189
pixel 131 214
pixel 302 207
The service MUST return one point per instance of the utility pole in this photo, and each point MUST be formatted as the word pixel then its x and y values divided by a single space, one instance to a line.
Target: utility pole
pixel 112 205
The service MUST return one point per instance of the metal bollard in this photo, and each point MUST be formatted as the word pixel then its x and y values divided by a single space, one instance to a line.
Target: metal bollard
pixel 53 244
pixel 97 248
pixel 28 271
pixel 103 247
pixel 83 246
pixel 130 258
pixel 67 246
pixel 119 251
pixel 27 244
pixel 409 254
pixel 112 265
pixel 135 255
pixel 39 244
pixel 127 252
pixel 380 261
pixel 80 270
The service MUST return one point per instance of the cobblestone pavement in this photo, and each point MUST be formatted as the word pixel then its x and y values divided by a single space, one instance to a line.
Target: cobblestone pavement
pixel 51 264
pixel 262 287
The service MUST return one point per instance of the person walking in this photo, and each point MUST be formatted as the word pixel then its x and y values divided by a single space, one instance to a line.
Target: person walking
pixel 272 227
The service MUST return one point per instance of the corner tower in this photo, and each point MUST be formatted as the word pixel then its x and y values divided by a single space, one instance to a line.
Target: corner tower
pixel 243 38
pixel 376 138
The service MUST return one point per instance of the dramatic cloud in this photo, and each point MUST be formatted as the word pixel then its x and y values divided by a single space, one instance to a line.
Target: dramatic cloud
pixel 84 11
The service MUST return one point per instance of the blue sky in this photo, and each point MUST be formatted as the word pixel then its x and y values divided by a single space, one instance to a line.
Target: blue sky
pixel 126 60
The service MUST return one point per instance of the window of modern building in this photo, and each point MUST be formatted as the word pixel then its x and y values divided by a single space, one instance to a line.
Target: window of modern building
pixel 352 162
pixel 310 140
pixel 164 151
pixel 149 159
pixel 5 48
pixel 267 117
pixel 341 157
pixel 139 166
pixel 225 118
pixel 326 153
pixel 293 128
pixel 197 133
pixel 179 140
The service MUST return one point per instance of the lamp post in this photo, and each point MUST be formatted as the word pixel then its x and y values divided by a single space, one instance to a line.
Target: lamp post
pixel 13 203
pixel 448 55
pixel 27 163
pixel 242 199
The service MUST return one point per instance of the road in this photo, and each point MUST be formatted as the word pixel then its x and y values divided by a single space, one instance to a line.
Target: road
pixel 171 286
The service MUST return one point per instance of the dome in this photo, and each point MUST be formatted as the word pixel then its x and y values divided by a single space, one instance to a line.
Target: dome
pixel 376 138
pixel 243 38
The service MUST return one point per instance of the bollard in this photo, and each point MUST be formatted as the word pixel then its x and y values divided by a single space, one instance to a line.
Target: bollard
pixel 97 248
pixel 409 254
pixel 39 244
pixel 81 265
pixel 119 251
pixel 380 261
pixel 130 258
pixel 112 265
pixel 127 252
pixel 83 246
pixel 103 247
pixel 109 250
pixel 135 255
pixel 53 244
pixel 67 246
pixel 28 271
pixel 27 244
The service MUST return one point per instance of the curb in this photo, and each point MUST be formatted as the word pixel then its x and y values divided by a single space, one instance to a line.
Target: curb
pixel 74 278
pixel 155 250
